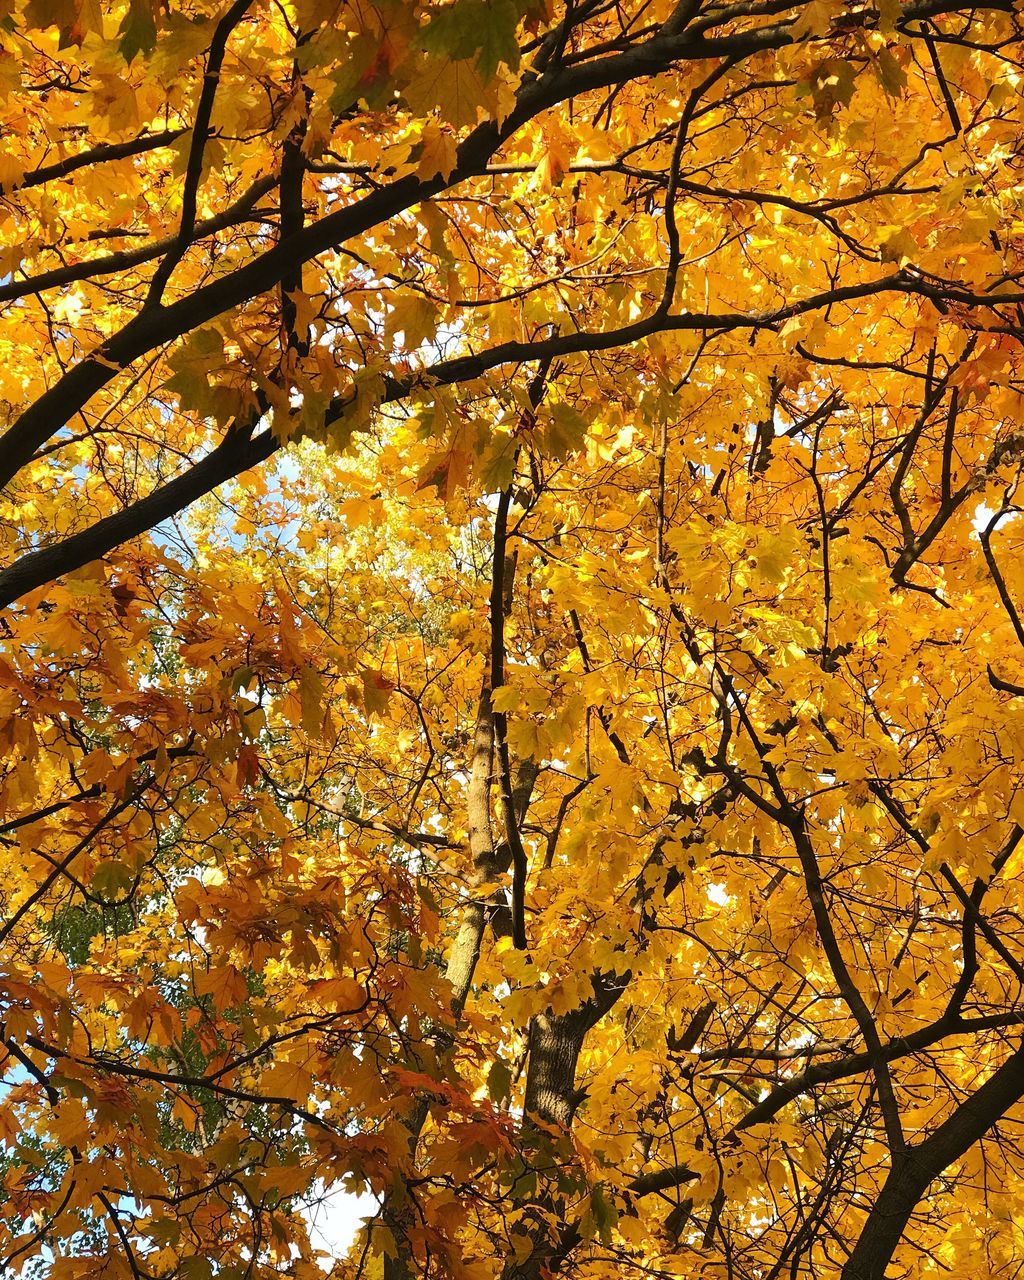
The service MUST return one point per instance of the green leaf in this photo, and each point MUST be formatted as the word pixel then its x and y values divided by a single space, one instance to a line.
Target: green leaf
pixel 311 698
pixel 138 30
pixel 40 14
pixel 377 689
pixel 193 363
pixel 111 879
pixel 564 431
pixel 832 85
pixel 195 1267
pixel 897 245
pixel 498 463
pixel 603 1213
pixel 164 1231
pixel 499 1080
pixel 498 38
pixel 481 29
pixel 891 75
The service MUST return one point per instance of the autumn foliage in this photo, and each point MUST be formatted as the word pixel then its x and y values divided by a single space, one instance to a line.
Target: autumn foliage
pixel 512 638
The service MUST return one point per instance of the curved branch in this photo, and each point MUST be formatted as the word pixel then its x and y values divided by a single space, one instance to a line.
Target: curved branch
pixel 100 154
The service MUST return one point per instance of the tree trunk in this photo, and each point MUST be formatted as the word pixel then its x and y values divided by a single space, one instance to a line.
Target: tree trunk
pixel 555 1042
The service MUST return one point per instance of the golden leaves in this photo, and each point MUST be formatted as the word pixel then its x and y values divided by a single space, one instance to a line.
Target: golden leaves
pixel 741 591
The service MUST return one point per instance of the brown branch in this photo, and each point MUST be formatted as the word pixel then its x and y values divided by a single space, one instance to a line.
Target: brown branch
pixel 197 149
pixel 100 154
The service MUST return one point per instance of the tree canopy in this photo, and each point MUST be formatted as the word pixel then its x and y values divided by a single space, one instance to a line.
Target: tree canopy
pixel 512 638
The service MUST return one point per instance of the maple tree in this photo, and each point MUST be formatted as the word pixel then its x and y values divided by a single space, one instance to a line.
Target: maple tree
pixel 512 643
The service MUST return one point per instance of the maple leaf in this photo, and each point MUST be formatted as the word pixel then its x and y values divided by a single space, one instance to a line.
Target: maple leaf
pixel 377 690
pixel 226 984
pixel 138 29
pixel 480 29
